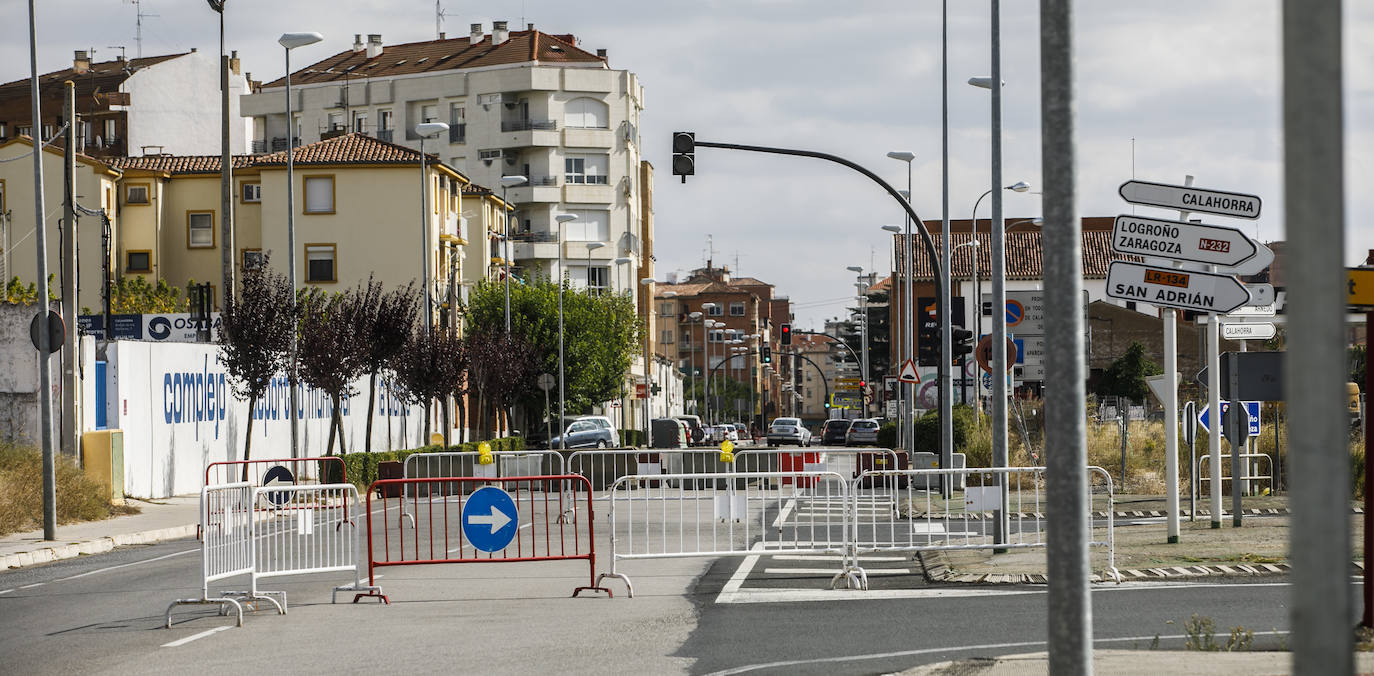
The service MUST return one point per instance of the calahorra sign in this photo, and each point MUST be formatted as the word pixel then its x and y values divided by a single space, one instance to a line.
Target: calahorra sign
pixel 1180 241
pixel 1187 198
pixel 1169 287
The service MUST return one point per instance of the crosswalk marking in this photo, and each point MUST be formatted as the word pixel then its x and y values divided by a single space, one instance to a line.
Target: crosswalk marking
pixel 831 571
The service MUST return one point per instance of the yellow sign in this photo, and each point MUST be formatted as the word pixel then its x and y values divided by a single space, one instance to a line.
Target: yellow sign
pixel 727 451
pixel 484 456
pixel 1359 286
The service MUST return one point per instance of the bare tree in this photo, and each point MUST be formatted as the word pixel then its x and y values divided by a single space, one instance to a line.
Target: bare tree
pixel 255 337
pixel 388 325
pixel 332 348
pixel 502 369
pixel 431 366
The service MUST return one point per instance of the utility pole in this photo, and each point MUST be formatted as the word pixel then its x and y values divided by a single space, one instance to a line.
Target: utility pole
pixel 70 444
pixel 41 244
pixel 226 172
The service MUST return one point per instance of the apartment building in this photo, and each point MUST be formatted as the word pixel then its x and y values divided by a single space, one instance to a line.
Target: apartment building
pixel 524 103
pixel 167 104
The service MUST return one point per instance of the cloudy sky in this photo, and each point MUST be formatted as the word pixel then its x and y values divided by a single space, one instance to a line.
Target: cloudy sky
pixel 1166 88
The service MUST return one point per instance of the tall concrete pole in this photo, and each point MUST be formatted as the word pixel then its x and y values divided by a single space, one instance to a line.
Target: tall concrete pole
pixel 1069 613
pixel 70 424
pixel 946 274
pixel 1315 369
pixel 291 260
pixel 226 176
pixel 999 278
pixel 41 244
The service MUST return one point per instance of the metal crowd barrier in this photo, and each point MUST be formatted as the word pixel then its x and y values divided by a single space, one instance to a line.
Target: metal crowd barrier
pixel 226 546
pixel 304 471
pixel 1246 464
pixel 467 464
pixel 439 534
pixel 921 520
pixel 604 468
pixel 658 516
pixel 307 531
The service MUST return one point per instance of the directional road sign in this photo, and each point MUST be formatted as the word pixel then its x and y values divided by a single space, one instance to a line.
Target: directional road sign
pixel 490 519
pixel 1186 198
pixel 1249 310
pixel 1250 331
pixel 1359 286
pixel 1261 294
pixel 1263 258
pixel 1181 241
pixel 278 475
pixel 1201 291
pixel 1252 410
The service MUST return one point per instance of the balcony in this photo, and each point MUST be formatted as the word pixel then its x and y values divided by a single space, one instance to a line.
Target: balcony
pixel 529 125
pixel 279 143
pixel 458 133
pixel 259 146
pixel 384 135
pixel 534 237
pixel 528 133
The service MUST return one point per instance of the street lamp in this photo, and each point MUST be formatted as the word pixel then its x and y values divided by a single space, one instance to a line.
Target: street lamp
pixel 692 357
pixel 591 246
pixel 904 420
pixel 426 130
pixel 706 324
pixel 977 318
pixel 648 336
pixel 290 41
pixel 508 182
pixel 862 286
pixel 561 220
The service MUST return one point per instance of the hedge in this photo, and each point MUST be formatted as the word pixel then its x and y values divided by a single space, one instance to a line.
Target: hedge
pixel 362 467
pixel 632 438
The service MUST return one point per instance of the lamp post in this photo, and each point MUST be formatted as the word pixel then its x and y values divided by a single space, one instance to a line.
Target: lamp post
pixel 290 41
pixel 561 220
pixel 592 246
pixel 863 312
pixel 705 391
pixel 692 357
pixel 646 283
pixel 978 322
pixel 905 421
pixel 226 172
pixel 904 327
pixel 619 264
pixel 426 130
pixel 506 183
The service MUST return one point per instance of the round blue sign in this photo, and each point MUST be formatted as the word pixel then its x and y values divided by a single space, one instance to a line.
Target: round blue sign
pixel 1014 312
pixel 490 519
pixel 278 474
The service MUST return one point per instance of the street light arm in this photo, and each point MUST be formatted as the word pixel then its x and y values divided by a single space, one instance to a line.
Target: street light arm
pixel 834 338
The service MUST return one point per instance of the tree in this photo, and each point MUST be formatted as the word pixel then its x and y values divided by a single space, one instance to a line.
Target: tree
pixel 387 327
pixel 332 350
pixel 134 295
pixel 601 335
pixel 1125 377
pixel 255 337
pixel 501 367
pixel 430 367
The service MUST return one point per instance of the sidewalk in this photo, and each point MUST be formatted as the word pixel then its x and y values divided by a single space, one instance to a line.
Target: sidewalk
pixel 1136 663
pixel 168 519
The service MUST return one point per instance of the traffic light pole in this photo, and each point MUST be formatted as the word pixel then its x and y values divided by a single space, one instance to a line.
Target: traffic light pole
pixel 797 355
pixel 684 143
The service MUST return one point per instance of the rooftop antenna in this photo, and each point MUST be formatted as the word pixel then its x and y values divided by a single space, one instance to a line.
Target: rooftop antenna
pixel 138 34
pixel 438 20
pixel 122 55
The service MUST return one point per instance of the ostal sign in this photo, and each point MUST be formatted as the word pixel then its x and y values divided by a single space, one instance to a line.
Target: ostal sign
pixel 1169 287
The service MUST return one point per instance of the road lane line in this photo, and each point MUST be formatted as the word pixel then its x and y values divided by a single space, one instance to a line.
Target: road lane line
pixel 6 591
pixel 831 571
pixel 193 637
pixel 126 565
pixel 31 586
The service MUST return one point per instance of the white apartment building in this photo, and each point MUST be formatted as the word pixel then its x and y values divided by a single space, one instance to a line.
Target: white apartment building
pixel 523 103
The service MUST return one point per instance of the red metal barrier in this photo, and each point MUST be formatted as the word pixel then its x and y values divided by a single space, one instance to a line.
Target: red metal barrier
pixel 543 532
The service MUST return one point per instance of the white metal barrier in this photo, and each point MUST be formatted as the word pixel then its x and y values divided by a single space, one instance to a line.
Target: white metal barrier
pixel 1249 461
pixel 922 520
pixel 226 547
pixel 467 464
pixel 604 468
pixel 308 529
pixel 658 516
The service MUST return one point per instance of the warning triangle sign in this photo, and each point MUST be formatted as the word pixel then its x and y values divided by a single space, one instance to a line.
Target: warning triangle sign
pixel 909 374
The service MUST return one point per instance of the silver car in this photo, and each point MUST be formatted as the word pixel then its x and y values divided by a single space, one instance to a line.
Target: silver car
pixel 788 431
pixel 862 432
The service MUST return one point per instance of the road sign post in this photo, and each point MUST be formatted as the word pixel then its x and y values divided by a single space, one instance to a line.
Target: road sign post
pixel 1170 287
pixel 1181 241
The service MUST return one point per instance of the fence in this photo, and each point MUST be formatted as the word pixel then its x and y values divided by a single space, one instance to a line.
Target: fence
pixel 1249 462
pixel 521 521
pixel 302 471
pixel 307 530
pixel 658 516
pixel 467 464
pixel 921 520
pixel 226 547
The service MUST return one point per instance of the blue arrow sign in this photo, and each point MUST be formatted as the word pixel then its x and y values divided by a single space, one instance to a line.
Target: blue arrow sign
pixel 490 519
pixel 1252 411
pixel 278 475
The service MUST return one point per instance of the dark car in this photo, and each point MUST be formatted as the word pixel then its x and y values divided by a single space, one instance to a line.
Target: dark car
pixel 584 434
pixel 695 427
pixel 833 432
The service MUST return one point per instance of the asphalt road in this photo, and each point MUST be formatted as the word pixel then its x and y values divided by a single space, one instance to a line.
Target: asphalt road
pixel 103 614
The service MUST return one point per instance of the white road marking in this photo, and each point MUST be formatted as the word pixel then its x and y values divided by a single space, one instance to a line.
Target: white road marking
pixel 193 637
pixel 126 565
pixel 952 649
pixel 31 586
pixel 832 571
pixel 782 513
pixel 838 558
pixel 6 591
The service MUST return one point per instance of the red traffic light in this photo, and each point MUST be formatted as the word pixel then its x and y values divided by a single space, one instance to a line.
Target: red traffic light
pixel 786 334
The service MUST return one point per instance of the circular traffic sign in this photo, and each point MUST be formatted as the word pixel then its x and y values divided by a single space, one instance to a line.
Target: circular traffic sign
pixel 490 519
pixel 983 352
pixel 1015 312
pixel 277 475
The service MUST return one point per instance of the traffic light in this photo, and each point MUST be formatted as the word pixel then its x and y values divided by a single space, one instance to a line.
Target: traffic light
pixel 962 342
pixel 786 334
pixel 767 355
pixel 684 154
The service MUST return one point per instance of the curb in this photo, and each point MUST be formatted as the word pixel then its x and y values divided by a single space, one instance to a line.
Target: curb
pixel 937 570
pixel 97 546
pixel 1102 514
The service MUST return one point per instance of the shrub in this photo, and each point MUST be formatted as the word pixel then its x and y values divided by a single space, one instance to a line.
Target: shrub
pixel 79 498
pixel 632 438
pixel 362 466
pixel 887 435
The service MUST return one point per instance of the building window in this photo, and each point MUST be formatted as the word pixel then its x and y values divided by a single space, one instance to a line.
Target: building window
pixel 336 122
pixel 319 194
pixel 585 169
pixel 49 131
pixel 360 122
pixel 666 309
pixel 253 259
pixel 136 193
pixel 737 309
pixel 200 229
pixel 585 113
pixel 715 310
pixel 252 192
pixel 667 337
pixel 429 113
pixel 4 130
pixel 110 129
pixel 320 263
pixel 138 261
pixel 590 226
pixel 598 278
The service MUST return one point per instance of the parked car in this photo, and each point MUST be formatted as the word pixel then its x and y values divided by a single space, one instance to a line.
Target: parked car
pixel 788 431
pixel 833 431
pixel 604 423
pixel 720 433
pixel 862 432
pixel 694 424
pixel 742 430
pixel 584 434
pixel 670 433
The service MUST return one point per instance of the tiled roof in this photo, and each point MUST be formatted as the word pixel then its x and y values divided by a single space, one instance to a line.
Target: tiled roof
pixel 179 164
pixel 440 55
pixel 352 148
pixel 474 189
pixel 105 76
pixel 56 148
pixel 1023 255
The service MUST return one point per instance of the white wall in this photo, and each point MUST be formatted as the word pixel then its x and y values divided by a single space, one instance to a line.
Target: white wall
pixel 178 414
pixel 176 104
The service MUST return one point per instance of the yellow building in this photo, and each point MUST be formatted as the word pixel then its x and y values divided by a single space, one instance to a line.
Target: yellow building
pixel 96 185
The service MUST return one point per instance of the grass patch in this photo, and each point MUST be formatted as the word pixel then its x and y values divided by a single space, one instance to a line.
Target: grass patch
pixel 79 498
